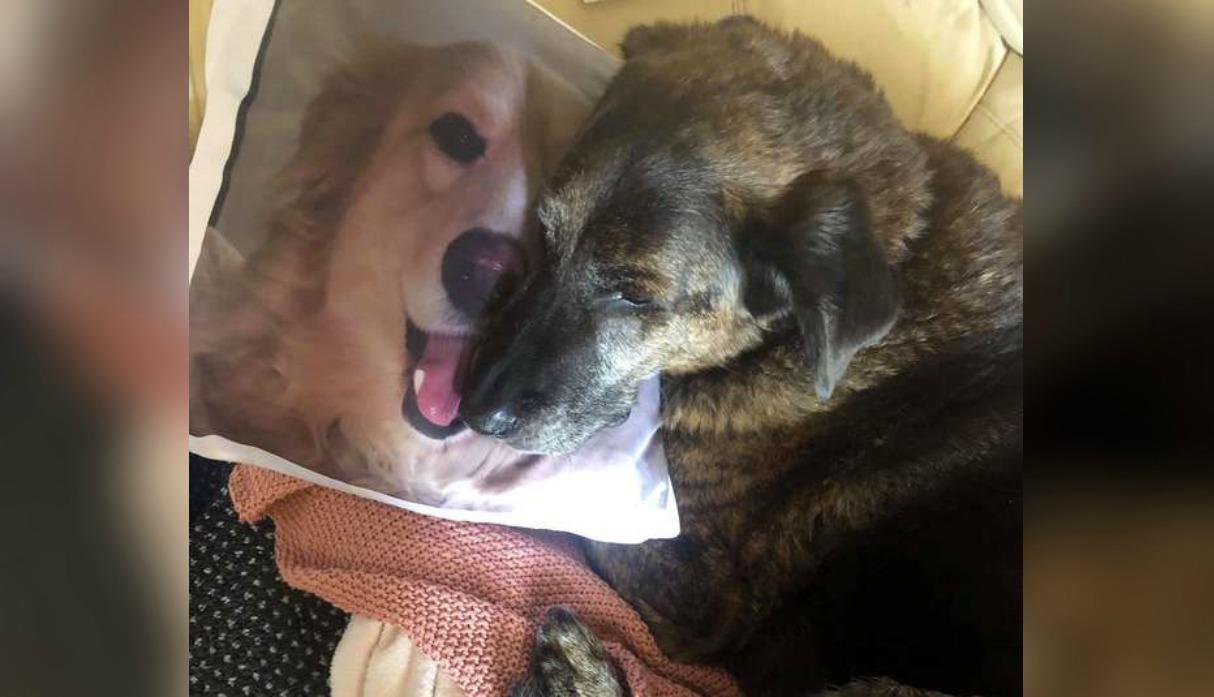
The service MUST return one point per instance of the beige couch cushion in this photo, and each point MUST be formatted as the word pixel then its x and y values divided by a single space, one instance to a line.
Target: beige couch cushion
pixel 994 132
pixel 1008 17
pixel 200 15
pixel 935 60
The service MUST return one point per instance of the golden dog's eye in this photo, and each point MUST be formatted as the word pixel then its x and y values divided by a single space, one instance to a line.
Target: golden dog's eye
pixel 457 138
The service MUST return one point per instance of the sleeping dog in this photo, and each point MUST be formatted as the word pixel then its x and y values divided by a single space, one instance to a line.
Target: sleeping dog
pixel 835 307
pixel 339 343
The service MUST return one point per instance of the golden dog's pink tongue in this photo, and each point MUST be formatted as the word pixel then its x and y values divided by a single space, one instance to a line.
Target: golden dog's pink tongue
pixel 434 378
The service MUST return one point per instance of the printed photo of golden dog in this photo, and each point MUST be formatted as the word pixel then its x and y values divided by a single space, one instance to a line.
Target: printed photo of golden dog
pixel 340 342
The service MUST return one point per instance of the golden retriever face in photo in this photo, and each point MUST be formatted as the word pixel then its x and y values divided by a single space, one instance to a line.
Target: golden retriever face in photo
pixel 343 343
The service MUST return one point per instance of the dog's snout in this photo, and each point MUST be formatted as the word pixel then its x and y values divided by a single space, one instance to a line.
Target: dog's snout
pixel 520 388
pixel 479 266
pixel 500 414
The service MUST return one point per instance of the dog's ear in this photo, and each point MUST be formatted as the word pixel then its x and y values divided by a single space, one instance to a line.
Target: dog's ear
pixel 341 128
pixel 816 256
pixel 651 37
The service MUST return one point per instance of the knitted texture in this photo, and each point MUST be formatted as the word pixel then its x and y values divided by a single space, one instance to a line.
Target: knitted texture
pixel 469 595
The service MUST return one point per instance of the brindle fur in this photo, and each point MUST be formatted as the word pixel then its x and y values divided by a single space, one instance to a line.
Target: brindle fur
pixel 569 661
pixel 836 524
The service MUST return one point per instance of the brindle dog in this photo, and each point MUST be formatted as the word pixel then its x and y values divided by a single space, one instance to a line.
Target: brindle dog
pixel 835 307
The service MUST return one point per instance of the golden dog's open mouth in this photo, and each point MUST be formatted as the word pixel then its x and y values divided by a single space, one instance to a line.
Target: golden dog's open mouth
pixel 431 402
pixel 477 267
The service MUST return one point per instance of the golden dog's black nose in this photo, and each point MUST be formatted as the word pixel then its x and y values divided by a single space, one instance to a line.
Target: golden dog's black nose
pixel 479 266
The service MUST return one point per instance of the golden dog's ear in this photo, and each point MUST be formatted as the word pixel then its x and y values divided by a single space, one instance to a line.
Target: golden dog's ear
pixel 817 257
pixel 340 130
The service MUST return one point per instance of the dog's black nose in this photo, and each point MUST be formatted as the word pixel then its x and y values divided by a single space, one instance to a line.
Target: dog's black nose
pixel 499 423
pixel 499 407
pixel 477 267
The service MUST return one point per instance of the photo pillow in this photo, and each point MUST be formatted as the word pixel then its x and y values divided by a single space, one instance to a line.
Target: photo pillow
pixel 360 193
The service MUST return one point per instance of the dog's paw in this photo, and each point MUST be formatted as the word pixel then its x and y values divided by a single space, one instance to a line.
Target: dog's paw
pixel 569 661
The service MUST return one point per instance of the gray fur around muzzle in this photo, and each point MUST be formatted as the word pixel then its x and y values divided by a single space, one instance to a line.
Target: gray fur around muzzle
pixel 539 381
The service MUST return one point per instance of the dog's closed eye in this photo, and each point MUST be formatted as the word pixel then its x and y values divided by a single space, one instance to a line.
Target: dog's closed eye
pixel 628 300
pixel 457 138
pixel 631 299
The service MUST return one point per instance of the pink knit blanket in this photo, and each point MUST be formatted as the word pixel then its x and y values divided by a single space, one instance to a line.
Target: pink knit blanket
pixel 468 595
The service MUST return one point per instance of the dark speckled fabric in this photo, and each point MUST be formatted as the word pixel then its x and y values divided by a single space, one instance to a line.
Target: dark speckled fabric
pixel 250 634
